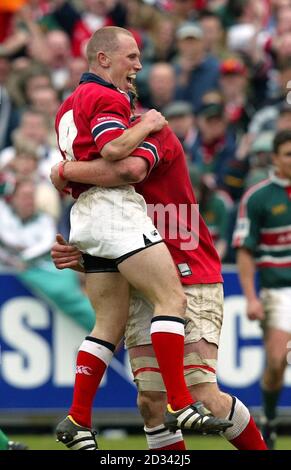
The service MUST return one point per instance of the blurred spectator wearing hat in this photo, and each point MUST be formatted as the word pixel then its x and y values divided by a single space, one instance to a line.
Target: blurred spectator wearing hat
pixel 197 71
pixel 215 145
pixel 234 89
pixel 260 158
pixel 181 120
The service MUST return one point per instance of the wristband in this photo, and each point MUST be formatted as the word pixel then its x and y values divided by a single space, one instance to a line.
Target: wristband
pixel 61 169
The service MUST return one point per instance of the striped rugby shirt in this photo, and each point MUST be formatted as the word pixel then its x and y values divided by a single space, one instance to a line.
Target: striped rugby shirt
pixel 264 227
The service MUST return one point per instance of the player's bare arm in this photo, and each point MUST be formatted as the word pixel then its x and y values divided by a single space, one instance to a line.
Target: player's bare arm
pixel 247 270
pixel 123 146
pixel 101 172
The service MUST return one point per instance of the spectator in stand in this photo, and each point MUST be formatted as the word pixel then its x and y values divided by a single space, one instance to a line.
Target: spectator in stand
pixel 77 66
pixel 9 117
pixel 260 159
pixel 163 39
pixel 25 164
pixel 25 34
pixel 265 118
pixel 213 33
pixel 215 146
pixel 181 119
pixel 197 71
pixel 58 57
pixel 33 127
pixel 161 86
pixel 183 10
pixel 233 86
pixel 46 101
pixel 7 10
pixel 26 237
pixel 284 118
pixel 80 25
pixel 26 81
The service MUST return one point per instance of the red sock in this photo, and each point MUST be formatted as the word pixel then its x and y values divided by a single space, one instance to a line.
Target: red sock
pixel 180 445
pixel 167 335
pixel 92 360
pixel 250 438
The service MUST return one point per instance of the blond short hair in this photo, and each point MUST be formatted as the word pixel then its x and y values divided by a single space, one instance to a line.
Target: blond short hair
pixel 105 40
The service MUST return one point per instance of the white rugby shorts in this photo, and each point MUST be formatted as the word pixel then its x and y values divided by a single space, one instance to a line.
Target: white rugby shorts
pixel 111 222
pixel 277 308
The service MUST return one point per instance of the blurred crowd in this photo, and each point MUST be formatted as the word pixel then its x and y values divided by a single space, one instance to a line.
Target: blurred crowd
pixel 219 70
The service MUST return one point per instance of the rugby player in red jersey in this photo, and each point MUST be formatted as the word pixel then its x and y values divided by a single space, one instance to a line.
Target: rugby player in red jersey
pixel 111 224
pixel 167 184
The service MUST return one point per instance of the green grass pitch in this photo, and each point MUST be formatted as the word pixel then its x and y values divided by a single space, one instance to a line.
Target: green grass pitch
pixel 137 442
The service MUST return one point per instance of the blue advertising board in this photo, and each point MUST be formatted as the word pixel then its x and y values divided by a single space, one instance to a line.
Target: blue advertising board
pixel 39 345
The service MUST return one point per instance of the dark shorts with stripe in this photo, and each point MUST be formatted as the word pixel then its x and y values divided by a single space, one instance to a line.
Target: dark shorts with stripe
pixel 94 264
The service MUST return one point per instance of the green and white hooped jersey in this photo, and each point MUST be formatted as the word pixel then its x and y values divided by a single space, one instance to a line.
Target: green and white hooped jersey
pixel 264 227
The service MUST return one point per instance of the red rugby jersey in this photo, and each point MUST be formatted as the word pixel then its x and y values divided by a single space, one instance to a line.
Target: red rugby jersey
pixel 169 184
pixel 93 115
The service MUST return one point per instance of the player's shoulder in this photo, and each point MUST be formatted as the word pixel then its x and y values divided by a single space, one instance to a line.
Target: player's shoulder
pixel 99 92
pixel 257 192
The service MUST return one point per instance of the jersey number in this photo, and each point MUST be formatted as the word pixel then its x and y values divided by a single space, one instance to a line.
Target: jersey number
pixel 67 134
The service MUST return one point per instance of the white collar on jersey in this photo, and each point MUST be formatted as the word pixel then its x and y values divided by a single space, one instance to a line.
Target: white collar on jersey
pixel 280 181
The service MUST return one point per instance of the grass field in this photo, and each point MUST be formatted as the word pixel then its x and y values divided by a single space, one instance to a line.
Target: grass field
pixel 137 442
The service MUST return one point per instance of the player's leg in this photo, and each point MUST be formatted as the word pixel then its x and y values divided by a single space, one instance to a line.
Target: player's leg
pixel 276 352
pixel 108 293
pixel 277 333
pixel 205 314
pixel 244 434
pixel 144 363
pixel 153 273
